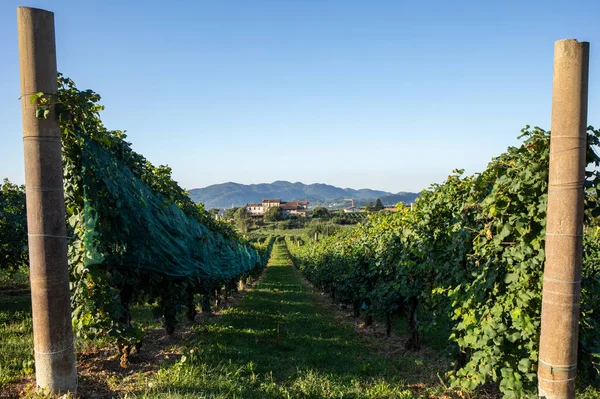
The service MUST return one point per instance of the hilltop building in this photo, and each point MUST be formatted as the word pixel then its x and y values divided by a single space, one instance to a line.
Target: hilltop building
pixel 290 208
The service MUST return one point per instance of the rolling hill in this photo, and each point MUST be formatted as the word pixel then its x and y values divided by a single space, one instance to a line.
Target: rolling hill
pixel 227 194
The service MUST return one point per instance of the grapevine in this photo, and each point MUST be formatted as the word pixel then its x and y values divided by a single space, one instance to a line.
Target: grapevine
pixel 469 254
pixel 106 279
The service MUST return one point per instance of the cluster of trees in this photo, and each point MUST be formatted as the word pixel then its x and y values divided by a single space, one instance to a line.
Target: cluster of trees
pixel 378 206
pixel 244 221
pixel 322 212
pixel 338 217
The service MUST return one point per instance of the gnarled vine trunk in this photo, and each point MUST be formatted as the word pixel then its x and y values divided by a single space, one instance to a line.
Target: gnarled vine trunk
pixel 413 333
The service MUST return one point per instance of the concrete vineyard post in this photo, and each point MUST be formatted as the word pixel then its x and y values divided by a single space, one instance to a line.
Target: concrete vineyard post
pixel 49 274
pixel 557 366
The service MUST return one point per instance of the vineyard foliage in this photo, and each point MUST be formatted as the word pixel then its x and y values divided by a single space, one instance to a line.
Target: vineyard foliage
pixel 469 254
pixel 135 233
pixel 13 226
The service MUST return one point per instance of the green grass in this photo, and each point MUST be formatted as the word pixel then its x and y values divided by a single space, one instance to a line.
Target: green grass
pixel 271 229
pixel 16 332
pixel 16 328
pixel 278 343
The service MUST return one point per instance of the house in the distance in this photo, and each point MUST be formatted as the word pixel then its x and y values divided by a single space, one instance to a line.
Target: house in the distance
pixel 288 209
pixel 255 209
pixel 294 208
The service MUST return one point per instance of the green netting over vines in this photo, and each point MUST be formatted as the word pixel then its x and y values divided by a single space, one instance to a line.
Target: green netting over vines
pixel 140 229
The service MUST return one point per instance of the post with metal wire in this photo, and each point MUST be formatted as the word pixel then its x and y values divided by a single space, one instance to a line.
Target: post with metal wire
pixel 49 275
pixel 557 366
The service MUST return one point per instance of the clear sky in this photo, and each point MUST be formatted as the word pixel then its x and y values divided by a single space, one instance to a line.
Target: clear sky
pixel 388 95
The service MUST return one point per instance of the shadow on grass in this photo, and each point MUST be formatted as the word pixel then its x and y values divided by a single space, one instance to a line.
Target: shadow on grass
pixel 16 332
pixel 279 343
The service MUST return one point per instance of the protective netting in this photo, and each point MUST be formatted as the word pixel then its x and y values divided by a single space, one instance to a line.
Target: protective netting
pixel 127 224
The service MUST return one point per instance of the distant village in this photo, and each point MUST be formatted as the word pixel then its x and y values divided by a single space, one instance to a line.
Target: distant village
pixel 295 209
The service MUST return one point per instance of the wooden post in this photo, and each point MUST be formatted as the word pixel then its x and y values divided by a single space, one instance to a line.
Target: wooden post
pixel 49 275
pixel 557 365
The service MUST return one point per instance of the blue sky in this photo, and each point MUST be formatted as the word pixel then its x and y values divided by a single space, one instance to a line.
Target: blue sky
pixel 387 95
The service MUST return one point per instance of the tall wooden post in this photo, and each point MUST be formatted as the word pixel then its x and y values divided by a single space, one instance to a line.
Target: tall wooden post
pixel 49 275
pixel 557 365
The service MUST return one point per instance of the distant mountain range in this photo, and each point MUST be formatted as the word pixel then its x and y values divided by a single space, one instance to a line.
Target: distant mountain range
pixel 227 194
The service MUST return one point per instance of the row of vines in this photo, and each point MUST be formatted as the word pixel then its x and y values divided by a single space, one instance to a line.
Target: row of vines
pixel 130 225
pixel 468 256
pixel 13 222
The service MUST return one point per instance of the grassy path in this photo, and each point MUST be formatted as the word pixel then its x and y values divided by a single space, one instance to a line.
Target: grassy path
pixel 16 332
pixel 278 343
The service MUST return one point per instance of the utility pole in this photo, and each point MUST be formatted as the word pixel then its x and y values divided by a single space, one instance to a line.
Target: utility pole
pixel 49 274
pixel 557 366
